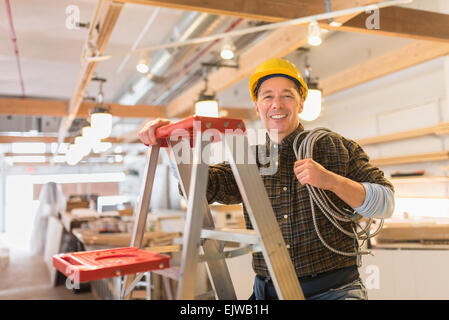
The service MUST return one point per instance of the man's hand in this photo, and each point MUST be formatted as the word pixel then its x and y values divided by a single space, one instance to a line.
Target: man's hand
pixel 148 133
pixel 308 171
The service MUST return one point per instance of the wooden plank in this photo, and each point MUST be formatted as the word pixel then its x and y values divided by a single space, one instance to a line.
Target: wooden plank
pixel 108 13
pixel 402 22
pixel 412 54
pixel 439 129
pixel 13 138
pixel 33 107
pixel 265 10
pixel 58 108
pixel 413 158
pixel 124 111
pixel 49 154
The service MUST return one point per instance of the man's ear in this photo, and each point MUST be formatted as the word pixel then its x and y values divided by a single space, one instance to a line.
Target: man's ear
pixel 301 105
pixel 257 108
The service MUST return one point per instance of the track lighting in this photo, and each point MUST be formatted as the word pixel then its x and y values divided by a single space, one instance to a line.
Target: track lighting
pixel 101 118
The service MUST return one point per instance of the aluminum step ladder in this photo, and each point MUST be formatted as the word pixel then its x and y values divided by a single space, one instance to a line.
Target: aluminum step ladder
pixel 201 241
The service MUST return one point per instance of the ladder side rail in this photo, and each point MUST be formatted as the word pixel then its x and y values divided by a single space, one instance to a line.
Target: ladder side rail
pixel 144 204
pixel 218 271
pixel 194 223
pixel 263 219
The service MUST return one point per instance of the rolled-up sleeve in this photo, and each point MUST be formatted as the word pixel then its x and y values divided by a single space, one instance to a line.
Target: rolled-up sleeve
pixel 379 201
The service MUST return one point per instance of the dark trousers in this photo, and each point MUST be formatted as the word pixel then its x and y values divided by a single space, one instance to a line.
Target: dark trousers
pixel 342 284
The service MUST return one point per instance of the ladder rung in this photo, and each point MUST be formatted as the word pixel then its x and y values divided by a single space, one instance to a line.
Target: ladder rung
pixel 232 235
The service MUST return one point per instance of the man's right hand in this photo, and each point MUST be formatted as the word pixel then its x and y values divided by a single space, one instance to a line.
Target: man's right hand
pixel 148 133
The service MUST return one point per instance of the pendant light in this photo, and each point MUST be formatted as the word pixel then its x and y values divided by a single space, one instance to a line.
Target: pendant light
pixel 312 105
pixel 143 65
pixel 207 104
pixel 314 36
pixel 228 49
pixel 101 118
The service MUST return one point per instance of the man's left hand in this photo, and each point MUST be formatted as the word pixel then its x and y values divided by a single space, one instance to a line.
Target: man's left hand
pixel 308 171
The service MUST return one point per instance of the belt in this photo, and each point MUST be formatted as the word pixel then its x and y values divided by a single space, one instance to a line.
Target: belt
pixel 318 283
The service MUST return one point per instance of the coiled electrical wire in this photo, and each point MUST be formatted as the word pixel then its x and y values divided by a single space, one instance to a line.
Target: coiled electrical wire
pixel 319 198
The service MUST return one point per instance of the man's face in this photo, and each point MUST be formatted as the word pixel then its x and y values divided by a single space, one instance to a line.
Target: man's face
pixel 278 104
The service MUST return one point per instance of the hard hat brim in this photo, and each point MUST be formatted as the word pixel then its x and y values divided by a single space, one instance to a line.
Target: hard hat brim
pixel 254 80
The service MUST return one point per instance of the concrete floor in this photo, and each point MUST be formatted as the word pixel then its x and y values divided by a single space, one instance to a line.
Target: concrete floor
pixel 27 278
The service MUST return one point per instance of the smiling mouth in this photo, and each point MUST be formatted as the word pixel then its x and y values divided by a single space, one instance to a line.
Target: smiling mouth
pixel 278 116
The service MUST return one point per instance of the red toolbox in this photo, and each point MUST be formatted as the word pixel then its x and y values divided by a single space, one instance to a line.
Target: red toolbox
pixel 99 264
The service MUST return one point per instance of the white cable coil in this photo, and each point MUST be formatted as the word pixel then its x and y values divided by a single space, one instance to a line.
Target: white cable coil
pixel 320 198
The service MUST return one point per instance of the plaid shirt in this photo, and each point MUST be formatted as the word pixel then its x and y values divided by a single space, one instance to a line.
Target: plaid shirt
pixel 291 204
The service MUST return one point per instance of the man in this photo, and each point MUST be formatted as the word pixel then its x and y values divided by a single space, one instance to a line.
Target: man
pixel 324 257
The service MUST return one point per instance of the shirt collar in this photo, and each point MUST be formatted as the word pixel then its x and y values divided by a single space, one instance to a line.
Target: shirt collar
pixel 288 140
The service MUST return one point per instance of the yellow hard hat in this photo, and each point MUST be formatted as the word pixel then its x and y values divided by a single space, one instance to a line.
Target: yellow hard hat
pixel 277 66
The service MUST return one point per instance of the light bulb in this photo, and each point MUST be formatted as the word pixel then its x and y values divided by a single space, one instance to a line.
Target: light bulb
pixel 143 66
pixel 314 37
pixel 312 105
pixel 227 51
pixel 206 108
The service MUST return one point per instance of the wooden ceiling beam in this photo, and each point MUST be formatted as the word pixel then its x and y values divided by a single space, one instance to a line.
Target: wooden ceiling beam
pixel 412 54
pixel 49 154
pixel 17 138
pixel 401 22
pixel 122 111
pixel 58 108
pixel 107 13
pixel 33 107
pixel 264 10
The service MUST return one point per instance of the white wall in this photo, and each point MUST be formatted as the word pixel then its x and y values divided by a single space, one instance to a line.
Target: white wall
pixel 409 99
pixel 406 274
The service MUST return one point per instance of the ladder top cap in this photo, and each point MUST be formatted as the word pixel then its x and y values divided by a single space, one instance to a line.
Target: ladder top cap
pixel 187 126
